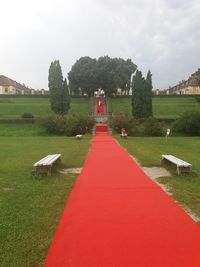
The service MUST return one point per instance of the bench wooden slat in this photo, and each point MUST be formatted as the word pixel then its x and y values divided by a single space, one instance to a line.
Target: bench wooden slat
pixel 48 160
pixel 181 164
pixel 44 165
pixel 177 161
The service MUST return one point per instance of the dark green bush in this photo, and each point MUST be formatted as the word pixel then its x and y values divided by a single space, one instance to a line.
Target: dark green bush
pixel 121 121
pixel 188 123
pixel 79 124
pixel 197 98
pixel 54 124
pixel 152 127
pixel 27 115
pixel 67 125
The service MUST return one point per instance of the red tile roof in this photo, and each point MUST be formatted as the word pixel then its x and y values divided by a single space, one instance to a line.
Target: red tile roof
pixel 194 81
pixel 5 81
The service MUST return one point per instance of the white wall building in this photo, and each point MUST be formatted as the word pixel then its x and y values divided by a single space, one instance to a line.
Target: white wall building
pixel 11 87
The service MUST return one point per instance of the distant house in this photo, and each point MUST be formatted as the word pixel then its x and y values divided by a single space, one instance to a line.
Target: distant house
pixel 11 87
pixel 188 87
pixel 39 92
pixel 184 87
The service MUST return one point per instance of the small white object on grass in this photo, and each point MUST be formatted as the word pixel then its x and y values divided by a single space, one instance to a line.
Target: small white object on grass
pixel 168 132
pixel 79 136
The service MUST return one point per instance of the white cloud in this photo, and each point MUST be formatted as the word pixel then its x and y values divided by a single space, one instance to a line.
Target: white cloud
pixel 159 35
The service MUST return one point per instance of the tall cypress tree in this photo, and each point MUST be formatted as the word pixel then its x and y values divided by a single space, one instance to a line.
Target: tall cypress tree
pixel 58 89
pixel 149 88
pixel 141 96
pixel 137 95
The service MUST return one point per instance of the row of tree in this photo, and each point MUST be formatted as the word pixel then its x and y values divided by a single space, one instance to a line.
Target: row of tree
pixel 89 74
pixel 109 74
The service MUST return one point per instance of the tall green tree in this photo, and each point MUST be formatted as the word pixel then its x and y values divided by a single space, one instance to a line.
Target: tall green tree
pixel 82 76
pixel 106 74
pixel 148 93
pixel 138 95
pixel 58 89
pixel 141 95
pixel 88 74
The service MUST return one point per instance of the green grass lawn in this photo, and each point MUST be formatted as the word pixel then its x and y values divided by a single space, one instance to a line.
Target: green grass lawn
pixel 148 151
pixel 168 107
pixel 30 207
pixel 173 107
pixel 20 129
pixel 14 107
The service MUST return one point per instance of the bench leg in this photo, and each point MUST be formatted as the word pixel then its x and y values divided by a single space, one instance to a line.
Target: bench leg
pixel 49 171
pixel 184 170
pixel 34 172
pixel 164 162
pixel 178 171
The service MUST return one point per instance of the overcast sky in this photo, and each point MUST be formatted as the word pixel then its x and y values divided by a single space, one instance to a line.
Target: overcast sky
pixel 160 35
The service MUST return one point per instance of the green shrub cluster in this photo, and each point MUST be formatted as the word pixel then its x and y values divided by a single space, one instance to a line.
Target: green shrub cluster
pixel 27 115
pixel 147 127
pixel 152 127
pixel 188 123
pixel 121 121
pixel 197 99
pixel 67 125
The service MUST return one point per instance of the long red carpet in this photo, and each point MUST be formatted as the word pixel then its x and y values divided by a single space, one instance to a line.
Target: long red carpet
pixel 117 217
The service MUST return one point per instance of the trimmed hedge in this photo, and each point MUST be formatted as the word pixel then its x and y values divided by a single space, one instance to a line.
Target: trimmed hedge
pixel 27 116
pixel 159 96
pixel 188 123
pixel 147 127
pixel 197 99
pixel 152 127
pixel 67 125
pixel 37 96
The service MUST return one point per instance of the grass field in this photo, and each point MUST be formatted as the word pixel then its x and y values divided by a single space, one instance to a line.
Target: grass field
pixel 168 107
pixel 14 107
pixel 20 129
pixel 30 207
pixel 148 151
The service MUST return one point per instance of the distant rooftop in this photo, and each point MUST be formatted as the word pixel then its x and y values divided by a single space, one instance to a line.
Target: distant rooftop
pixel 5 81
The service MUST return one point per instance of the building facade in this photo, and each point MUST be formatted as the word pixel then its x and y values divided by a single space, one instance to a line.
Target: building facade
pixel 189 87
pixel 11 87
pixel 185 87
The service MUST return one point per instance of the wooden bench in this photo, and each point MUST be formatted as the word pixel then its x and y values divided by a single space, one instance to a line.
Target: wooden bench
pixel 44 165
pixel 182 166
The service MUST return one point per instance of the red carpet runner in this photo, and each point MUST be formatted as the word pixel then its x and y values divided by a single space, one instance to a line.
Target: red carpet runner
pixel 117 217
pixel 101 127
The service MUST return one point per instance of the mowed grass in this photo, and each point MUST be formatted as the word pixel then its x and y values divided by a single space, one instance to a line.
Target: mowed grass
pixel 14 107
pixel 20 129
pixel 173 107
pixel 148 151
pixel 163 107
pixel 30 207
